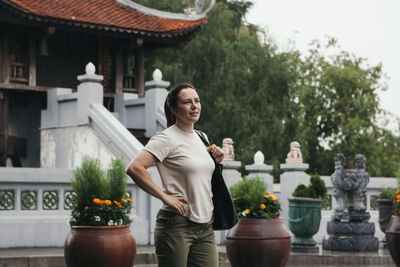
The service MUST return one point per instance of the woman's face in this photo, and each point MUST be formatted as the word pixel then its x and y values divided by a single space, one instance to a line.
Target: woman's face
pixel 188 106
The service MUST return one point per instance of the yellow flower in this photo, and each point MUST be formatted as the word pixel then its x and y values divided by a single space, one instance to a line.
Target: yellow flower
pixel 268 193
pixel 247 211
pixel 273 197
pixel 107 202
pixel 265 196
pixel 86 207
pixel 262 206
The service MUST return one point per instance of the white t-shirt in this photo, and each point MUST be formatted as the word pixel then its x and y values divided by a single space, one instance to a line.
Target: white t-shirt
pixel 186 169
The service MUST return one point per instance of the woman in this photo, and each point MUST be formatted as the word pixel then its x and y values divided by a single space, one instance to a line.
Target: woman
pixel 184 235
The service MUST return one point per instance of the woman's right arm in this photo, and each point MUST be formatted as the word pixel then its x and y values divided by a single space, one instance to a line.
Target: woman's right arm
pixel 137 170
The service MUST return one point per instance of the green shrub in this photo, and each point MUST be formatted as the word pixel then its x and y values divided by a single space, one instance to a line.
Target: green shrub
pixel 387 193
pixel 100 200
pixel 252 200
pixel 316 189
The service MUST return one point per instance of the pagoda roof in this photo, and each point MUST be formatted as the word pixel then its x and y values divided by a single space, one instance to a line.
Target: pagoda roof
pixel 111 15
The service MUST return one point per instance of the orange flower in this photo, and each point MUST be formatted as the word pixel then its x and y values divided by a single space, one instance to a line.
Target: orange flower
pixel 398 200
pixel 118 204
pixel 123 199
pixel 262 206
pixel 86 208
pixel 129 199
pixel 239 197
pixel 273 197
pixel 398 192
pixel 398 197
pixel 107 202
pixel 96 201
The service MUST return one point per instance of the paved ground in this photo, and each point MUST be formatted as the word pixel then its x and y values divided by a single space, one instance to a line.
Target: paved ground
pixel 54 257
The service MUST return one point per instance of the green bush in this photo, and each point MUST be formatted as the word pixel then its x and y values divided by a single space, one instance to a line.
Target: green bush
pixel 252 200
pixel 100 200
pixel 387 193
pixel 316 189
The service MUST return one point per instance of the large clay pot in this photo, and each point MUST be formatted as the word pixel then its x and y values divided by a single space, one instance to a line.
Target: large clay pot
pixel 304 219
pixel 100 246
pixel 386 209
pixel 393 238
pixel 258 242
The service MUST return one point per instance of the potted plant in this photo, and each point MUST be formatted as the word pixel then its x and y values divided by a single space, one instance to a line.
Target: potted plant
pixel 385 207
pixel 392 233
pixel 305 214
pixel 100 228
pixel 260 238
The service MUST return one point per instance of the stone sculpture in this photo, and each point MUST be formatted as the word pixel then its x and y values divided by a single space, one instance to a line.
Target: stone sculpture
pixel 350 230
pixel 294 155
pixel 349 181
pixel 227 147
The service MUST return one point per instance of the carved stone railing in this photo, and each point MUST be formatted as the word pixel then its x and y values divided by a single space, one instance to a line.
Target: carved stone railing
pixel 35 207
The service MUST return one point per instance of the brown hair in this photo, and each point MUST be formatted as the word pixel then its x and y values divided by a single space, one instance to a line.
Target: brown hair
pixel 172 100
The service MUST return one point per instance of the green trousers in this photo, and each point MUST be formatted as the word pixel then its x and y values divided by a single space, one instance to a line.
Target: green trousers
pixel 181 242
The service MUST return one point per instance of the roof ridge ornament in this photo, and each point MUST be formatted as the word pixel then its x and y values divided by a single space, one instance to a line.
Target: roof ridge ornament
pixel 191 14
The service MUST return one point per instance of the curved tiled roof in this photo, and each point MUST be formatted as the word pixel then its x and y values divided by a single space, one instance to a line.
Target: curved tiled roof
pixel 104 14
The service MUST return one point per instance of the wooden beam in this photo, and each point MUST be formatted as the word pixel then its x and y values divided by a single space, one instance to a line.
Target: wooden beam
pixel 32 61
pixel 119 75
pixel 5 63
pixel 139 67
pixel 4 129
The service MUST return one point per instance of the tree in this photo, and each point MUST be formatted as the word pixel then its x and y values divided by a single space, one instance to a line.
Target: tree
pixel 338 107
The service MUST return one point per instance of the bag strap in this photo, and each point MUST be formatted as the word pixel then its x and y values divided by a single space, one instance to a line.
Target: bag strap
pixel 202 137
pixel 206 143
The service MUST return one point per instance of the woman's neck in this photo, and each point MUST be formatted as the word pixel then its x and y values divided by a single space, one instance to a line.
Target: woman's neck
pixel 185 127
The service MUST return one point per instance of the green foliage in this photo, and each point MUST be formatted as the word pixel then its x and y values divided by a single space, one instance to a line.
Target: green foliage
pixel 99 200
pixel 316 189
pixel 387 193
pixel 88 183
pixel 252 200
pixel 117 180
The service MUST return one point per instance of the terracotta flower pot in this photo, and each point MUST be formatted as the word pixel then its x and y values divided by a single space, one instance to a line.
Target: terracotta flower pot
pixel 258 242
pixel 393 238
pixel 100 246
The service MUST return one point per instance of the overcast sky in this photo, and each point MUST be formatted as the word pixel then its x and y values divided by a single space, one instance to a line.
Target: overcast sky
pixel 367 28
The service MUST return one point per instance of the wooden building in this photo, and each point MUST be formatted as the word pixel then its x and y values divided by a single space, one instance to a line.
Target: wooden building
pixel 47 43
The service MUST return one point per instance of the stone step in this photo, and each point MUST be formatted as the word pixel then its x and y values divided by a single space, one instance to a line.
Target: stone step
pixel 54 257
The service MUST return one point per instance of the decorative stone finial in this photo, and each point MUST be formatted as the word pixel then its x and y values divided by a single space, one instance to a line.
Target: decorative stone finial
pixel 227 147
pixel 157 75
pixel 259 157
pixel 294 155
pixel 90 68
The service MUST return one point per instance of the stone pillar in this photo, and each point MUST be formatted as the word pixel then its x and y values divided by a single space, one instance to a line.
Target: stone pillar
pixel 259 168
pixel 294 174
pixel 90 91
pixel 154 104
